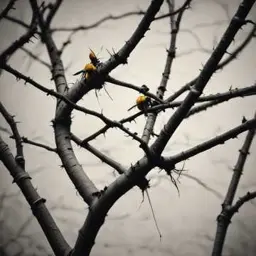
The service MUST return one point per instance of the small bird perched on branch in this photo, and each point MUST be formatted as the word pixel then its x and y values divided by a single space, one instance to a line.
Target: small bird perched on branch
pixel 87 71
pixel 89 68
pixel 142 103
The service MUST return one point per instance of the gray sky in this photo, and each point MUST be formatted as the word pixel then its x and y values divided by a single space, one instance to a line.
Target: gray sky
pixel 187 222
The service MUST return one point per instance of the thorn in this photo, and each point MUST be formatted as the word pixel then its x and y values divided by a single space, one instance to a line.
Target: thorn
pixel 244 120
pixel 153 214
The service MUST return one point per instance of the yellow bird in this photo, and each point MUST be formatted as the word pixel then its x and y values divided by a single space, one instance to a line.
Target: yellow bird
pixel 88 70
pixel 142 103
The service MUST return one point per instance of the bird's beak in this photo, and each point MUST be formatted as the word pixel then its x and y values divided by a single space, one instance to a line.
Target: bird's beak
pixel 79 72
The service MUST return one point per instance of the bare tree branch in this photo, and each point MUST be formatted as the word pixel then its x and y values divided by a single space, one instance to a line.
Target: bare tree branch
pixel 104 158
pixel 20 42
pixel 232 56
pixel 171 52
pixel 39 145
pixel 62 122
pixel 179 10
pixel 22 178
pixel 117 17
pixel 142 184
pixel 237 21
pixel 17 21
pixel 214 99
pixel 227 209
pixel 220 139
pixel 16 135
pixel 8 7
pixel 54 9
pixel 249 196
pixel 134 87
pixel 35 57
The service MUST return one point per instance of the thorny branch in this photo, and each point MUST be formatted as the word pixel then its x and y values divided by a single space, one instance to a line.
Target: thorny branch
pixel 228 210
pixel 8 7
pixel 22 179
pixel 236 23
pixel 62 121
pixel 171 52
pixel 20 42
pixel 16 135
pixel 218 140
pixel 66 103
pixel 232 56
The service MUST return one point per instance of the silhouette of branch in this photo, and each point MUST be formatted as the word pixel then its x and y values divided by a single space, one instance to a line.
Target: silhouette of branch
pixel 185 6
pixel 16 135
pixel 214 99
pixel 62 121
pixel 143 184
pixel 221 65
pixel 37 144
pixel 98 23
pixel 104 158
pixel 109 123
pixel 20 42
pixel 8 7
pixel 236 23
pixel 117 17
pixel 122 55
pixel 228 210
pixel 17 21
pixel 249 196
pixel 134 87
pixel 35 57
pixel 218 140
pixel 22 179
pixel 53 10
pixel 171 53
pixel 203 184
pixel 57 95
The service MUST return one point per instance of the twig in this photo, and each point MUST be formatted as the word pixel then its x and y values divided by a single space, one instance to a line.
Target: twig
pixel 220 139
pixel 134 87
pixel 20 42
pixel 104 158
pixel 35 57
pixel 8 7
pixel 16 135
pixel 17 21
pixel 172 13
pixel 37 144
pixel 54 9
pixel 171 52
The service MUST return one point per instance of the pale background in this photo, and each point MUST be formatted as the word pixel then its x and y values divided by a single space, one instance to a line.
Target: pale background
pixel 188 221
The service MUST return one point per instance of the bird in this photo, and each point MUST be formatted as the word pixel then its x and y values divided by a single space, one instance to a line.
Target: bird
pixel 89 68
pixel 142 103
pixel 87 71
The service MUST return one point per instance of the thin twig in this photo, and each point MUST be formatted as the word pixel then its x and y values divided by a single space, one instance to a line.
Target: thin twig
pixel 16 135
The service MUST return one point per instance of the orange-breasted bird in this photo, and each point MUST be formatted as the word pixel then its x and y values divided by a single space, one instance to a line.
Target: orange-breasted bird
pixel 142 103
pixel 89 68
pixel 87 71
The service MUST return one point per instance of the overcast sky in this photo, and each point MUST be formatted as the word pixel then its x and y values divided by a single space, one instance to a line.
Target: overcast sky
pixel 188 221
